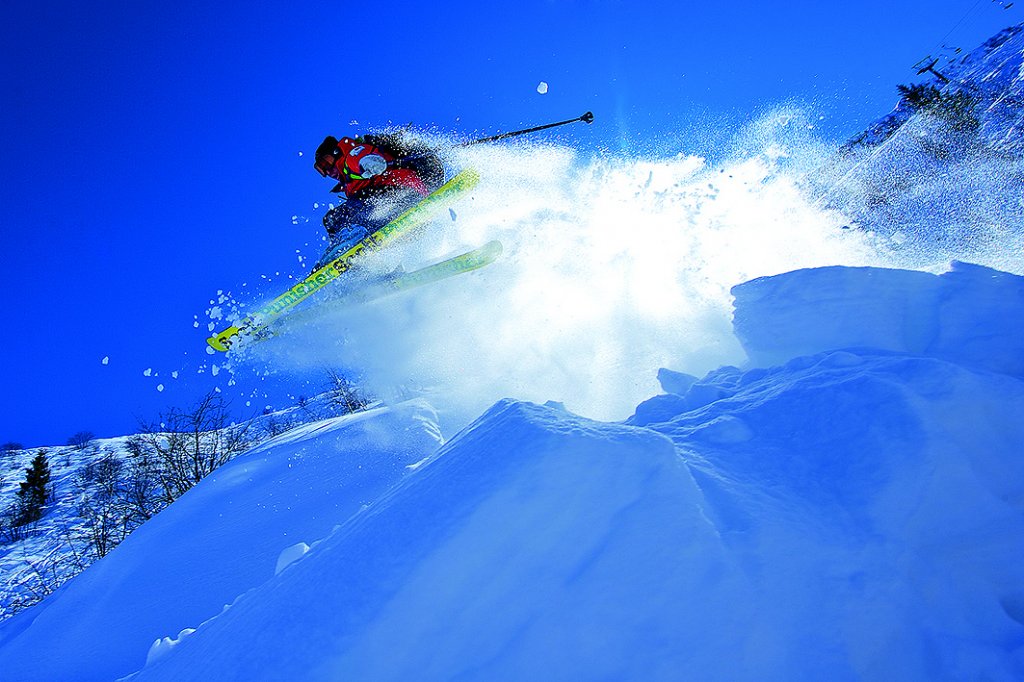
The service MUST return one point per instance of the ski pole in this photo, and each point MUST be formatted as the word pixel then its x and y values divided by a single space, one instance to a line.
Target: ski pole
pixel 585 118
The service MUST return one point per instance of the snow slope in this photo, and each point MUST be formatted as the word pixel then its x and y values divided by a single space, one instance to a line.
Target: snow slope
pixel 26 564
pixel 940 184
pixel 217 541
pixel 993 74
pixel 488 564
pixel 875 501
pixel 851 509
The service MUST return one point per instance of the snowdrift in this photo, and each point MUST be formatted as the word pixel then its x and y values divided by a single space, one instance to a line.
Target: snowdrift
pixel 971 315
pixel 849 506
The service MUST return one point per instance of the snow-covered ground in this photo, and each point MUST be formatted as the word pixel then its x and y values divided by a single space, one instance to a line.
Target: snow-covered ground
pixel 47 553
pixel 62 543
pixel 849 507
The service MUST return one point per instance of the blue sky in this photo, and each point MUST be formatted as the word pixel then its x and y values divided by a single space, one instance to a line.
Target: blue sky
pixel 150 152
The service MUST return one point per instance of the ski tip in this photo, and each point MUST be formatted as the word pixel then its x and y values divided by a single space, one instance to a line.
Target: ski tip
pixel 222 341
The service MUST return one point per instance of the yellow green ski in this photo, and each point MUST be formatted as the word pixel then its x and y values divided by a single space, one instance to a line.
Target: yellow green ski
pixel 392 283
pixel 321 277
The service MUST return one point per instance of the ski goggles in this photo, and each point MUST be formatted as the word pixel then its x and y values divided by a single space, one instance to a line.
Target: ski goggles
pixel 326 166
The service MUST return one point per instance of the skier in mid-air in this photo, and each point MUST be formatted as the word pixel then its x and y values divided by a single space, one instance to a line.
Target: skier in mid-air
pixel 379 176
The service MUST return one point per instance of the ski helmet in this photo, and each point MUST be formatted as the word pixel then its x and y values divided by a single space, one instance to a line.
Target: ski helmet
pixel 326 157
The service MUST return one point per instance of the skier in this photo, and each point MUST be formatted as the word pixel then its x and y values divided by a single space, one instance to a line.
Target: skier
pixel 379 177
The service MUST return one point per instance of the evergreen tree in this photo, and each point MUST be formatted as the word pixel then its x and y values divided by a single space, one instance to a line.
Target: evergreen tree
pixel 955 107
pixel 35 489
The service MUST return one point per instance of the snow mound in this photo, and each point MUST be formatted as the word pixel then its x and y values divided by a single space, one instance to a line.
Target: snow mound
pixel 875 501
pixel 971 315
pixel 851 514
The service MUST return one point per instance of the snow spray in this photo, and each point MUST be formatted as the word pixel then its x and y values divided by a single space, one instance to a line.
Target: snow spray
pixel 613 266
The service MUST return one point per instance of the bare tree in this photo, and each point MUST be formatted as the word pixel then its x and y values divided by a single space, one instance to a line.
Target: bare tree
pixel 275 425
pixel 343 393
pixel 107 518
pixel 11 528
pixel 140 487
pixel 311 409
pixel 188 445
pixel 82 440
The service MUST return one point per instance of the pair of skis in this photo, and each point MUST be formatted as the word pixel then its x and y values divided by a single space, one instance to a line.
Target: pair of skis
pixel 392 284
pixel 406 223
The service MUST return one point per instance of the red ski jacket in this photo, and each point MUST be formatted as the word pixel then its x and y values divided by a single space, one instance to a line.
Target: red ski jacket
pixel 347 169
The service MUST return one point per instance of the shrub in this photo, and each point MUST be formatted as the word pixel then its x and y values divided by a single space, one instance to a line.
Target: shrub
pixel 188 445
pixel 82 440
pixel 343 393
